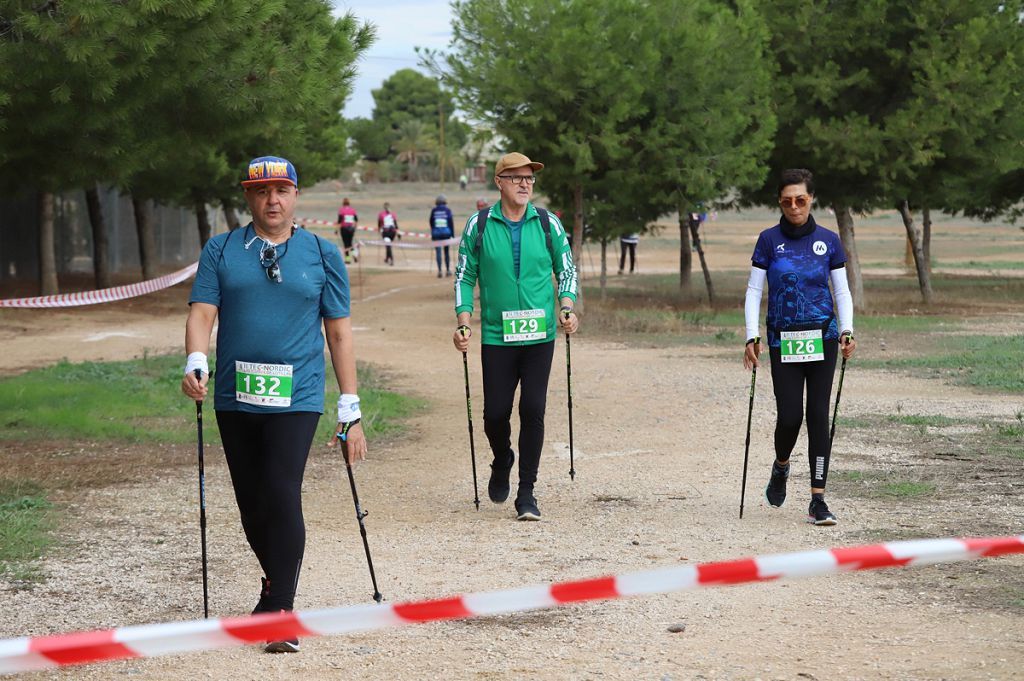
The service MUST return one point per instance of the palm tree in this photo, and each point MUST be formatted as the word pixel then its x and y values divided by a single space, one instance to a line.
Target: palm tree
pixel 413 144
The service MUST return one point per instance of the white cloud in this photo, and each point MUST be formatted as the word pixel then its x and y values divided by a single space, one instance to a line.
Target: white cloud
pixel 401 26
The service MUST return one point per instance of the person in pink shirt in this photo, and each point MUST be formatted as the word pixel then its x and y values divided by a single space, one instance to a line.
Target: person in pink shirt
pixel 387 225
pixel 347 219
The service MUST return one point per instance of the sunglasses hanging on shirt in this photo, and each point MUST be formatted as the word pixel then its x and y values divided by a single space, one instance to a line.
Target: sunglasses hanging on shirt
pixel 269 259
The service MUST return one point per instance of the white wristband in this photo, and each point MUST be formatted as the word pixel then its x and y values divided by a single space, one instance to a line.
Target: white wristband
pixel 197 360
pixel 348 408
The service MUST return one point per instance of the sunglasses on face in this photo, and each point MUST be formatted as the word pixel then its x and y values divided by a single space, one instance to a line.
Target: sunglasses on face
pixel 795 201
pixel 268 259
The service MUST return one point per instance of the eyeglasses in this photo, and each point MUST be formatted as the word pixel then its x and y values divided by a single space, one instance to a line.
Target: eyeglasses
pixel 519 179
pixel 269 258
pixel 795 201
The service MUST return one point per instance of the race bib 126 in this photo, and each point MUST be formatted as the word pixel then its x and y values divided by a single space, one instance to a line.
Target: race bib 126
pixel 801 346
pixel 523 325
pixel 265 385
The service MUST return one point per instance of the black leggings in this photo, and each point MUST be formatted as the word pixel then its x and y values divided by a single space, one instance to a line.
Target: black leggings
pixel 505 367
pixel 347 234
pixel 632 255
pixel 789 380
pixel 266 455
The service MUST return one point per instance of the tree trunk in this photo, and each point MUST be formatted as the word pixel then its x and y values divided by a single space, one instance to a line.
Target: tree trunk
pixel 923 278
pixel 230 216
pixel 577 241
pixel 100 244
pixel 604 265
pixel 147 237
pixel 685 254
pixel 926 246
pixel 695 233
pixel 47 257
pixel 844 219
pixel 203 222
pixel 908 255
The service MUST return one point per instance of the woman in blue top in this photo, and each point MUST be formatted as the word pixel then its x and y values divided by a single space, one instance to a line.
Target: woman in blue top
pixel 272 286
pixel 799 259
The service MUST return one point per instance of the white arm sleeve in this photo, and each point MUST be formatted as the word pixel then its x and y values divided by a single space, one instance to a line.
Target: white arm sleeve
pixel 752 303
pixel 844 300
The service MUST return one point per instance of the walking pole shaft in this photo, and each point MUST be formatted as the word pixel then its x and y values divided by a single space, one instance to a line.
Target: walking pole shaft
pixel 746 451
pixel 835 411
pixel 202 500
pixel 568 382
pixel 360 514
pixel 469 419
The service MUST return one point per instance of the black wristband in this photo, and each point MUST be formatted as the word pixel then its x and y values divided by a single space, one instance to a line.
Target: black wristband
pixel 755 339
pixel 566 308
pixel 345 427
pixel 460 327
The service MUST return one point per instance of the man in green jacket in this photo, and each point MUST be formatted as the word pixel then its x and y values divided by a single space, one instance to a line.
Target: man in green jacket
pixel 511 250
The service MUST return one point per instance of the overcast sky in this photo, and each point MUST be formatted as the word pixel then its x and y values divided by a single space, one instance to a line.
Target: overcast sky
pixel 401 26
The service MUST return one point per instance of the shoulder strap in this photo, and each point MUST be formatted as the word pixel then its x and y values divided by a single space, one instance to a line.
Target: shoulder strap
pixel 481 222
pixel 545 221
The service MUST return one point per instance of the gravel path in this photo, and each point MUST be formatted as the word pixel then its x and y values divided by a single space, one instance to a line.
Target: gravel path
pixel 659 444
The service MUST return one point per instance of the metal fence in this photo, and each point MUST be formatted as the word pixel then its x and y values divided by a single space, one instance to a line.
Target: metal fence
pixel 177 237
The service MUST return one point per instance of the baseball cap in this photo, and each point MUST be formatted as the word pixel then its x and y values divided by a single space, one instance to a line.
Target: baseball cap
pixel 270 169
pixel 515 160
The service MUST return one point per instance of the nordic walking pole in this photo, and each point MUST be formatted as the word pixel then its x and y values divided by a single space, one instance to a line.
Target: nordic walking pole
pixel 568 382
pixel 469 419
pixel 360 513
pixel 839 393
pixel 750 414
pixel 202 498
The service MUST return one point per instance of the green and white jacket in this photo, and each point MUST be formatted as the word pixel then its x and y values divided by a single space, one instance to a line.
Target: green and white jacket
pixel 500 290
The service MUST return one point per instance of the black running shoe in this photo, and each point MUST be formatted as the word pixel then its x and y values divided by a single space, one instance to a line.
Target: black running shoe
pixel 819 514
pixel 526 508
pixel 261 604
pixel 775 492
pixel 497 486
pixel 289 646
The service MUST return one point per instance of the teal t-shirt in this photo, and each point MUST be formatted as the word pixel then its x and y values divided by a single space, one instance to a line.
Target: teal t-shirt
pixel 516 229
pixel 265 322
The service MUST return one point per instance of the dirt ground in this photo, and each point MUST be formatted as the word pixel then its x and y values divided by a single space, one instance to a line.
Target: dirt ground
pixel 659 446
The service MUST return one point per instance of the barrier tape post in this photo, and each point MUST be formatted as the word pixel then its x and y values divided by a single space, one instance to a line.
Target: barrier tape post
pixel 44 652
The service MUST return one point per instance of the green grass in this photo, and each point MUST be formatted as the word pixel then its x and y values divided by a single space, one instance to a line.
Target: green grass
pixel 907 488
pixel 880 325
pixel 988 362
pixel 989 265
pixel 384 411
pixel 140 401
pixel 936 421
pixel 26 524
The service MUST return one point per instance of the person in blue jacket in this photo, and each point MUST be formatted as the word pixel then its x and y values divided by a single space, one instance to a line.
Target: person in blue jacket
pixel 272 286
pixel 442 228
pixel 799 259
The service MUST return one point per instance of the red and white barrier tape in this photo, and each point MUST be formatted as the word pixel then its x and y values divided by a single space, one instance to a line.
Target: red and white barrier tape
pixel 42 652
pixel 106 295
pixel 399 244
pixel 361 228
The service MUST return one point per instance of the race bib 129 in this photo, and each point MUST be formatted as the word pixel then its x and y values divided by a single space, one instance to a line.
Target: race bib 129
pixel 523 325
pixel 801 346
pixel 265 385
